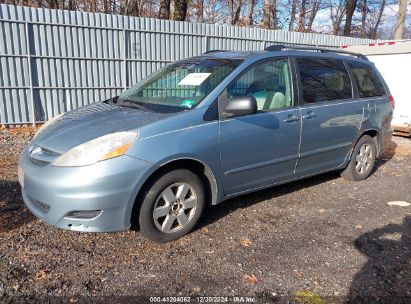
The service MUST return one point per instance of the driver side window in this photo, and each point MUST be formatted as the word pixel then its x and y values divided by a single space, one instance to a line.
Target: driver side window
pixel 269 82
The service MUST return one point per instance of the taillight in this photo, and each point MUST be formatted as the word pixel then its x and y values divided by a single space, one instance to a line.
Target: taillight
pixel 392 101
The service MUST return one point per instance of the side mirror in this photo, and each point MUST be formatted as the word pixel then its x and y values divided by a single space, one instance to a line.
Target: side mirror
pixel 240 106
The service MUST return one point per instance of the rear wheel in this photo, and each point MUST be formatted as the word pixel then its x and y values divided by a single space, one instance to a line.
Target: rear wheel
pixel 171 206
pixel 362 159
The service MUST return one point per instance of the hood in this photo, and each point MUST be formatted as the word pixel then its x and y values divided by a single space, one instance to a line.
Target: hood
pixel 89 122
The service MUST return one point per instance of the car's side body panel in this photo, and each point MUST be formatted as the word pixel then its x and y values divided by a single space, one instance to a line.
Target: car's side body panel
pixel 377 117
pixel 258 150
pixel 327 135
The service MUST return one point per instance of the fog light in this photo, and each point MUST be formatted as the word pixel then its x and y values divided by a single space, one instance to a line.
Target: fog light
pixel 83 215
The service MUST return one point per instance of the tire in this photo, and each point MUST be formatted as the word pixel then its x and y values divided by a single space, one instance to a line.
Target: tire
pixel 362 160
pixel 171 206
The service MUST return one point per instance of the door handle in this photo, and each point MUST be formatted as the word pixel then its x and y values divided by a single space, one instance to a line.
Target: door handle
pixel 309 115
pixel 292 118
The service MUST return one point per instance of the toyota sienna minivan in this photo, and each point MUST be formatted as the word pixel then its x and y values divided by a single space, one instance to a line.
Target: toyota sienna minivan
pixel 202 130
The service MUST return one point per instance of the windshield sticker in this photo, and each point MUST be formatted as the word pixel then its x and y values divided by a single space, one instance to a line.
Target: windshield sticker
pixel 194 79
pixel 188 103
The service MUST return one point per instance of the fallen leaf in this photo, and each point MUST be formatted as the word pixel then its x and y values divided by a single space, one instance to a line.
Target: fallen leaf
pixel 42 274
pixel 399 203
pixel 246 242
pixel 196 289
pixel 358 226
pixel 2 204
pixel 204 230
pixel 250 279
pixel 321 210
pixel 307 297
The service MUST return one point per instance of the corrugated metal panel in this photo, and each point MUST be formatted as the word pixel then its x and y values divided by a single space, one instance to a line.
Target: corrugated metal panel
pixel 53 61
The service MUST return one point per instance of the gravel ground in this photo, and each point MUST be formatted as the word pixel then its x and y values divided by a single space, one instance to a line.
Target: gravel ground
pixel 320 240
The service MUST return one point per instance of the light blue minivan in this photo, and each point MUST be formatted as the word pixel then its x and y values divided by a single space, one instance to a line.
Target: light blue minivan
pixel 202 130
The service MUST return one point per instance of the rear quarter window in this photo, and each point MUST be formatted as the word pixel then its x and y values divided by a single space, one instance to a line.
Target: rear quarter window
pixel 324 80
pixel 368 83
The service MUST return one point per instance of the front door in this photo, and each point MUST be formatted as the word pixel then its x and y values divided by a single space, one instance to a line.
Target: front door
pixel 261 149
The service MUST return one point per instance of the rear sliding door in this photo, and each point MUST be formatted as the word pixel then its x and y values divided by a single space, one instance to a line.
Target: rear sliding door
pixel 331 116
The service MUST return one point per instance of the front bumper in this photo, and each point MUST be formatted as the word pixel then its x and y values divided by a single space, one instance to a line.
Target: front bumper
pixel 96 198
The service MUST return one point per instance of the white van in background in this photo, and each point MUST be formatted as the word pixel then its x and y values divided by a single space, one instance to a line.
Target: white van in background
pixel 393 60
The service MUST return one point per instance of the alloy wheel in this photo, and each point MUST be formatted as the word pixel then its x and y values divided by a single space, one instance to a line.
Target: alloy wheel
pixel 175 207
pixel 364 158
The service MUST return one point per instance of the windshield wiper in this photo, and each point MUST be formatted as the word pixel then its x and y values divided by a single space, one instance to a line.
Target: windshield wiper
pixel 131 104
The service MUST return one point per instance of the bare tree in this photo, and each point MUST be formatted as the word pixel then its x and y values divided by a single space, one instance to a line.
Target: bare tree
pixel 349 10
pixel 274 17
pixel 402 11
pixel 266 13
pixel 337 13
pixel 133 7
pixel 200 10
pixel 364 11
pixel 315 7
pixel 270 18
pixel 212 12
pixel 373 33
pixel 235 10
pixel 301 16
pixel 180 10
pixel 164 11
pixel 292 14
pixel 250 12
pixel 71 5
pixel 195 11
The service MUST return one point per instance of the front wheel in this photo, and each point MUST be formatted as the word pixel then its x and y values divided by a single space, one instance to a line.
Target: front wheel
pixel 362 159
pixel 171 206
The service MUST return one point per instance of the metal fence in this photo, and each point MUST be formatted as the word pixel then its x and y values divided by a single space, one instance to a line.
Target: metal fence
pixel 53 61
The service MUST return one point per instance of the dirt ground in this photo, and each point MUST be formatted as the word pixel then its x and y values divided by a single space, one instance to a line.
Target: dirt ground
pixel 320 240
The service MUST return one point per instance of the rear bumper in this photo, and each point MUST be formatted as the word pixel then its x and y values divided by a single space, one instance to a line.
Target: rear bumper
pixel 96 198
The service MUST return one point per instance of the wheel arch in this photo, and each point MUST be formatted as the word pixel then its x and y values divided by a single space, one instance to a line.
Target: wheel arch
pixel 375 135
pixel 202 170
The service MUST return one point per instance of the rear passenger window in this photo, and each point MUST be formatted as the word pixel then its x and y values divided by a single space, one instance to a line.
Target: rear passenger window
pixel 368 83
pixel 324 80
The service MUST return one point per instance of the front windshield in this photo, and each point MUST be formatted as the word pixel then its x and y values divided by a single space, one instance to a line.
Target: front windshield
pixel 179 86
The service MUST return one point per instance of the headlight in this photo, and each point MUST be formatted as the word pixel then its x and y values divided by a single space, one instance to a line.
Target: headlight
pixel 47 124
pixel 101 148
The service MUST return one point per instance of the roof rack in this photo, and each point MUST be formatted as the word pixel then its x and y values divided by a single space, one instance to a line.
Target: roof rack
pixel 281 47
pixel 214 51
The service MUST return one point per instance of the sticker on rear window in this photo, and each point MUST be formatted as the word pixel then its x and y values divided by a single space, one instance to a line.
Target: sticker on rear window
pixel 188 103
pixel 194 79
